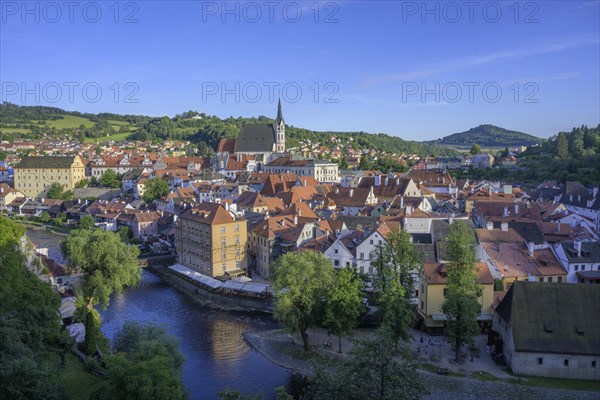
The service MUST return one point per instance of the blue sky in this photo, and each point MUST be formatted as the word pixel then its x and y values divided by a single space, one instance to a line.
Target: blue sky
pixel 414 71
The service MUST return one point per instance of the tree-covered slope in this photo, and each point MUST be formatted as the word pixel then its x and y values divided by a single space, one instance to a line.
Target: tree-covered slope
pixel 489 136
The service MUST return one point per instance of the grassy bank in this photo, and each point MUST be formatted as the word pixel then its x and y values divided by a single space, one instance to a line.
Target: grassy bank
pixel 76 380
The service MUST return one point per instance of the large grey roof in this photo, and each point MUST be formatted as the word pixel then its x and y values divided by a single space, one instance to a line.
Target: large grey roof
pixel 553 317
pixel 46 162
pixel 590 252
pixel 256 138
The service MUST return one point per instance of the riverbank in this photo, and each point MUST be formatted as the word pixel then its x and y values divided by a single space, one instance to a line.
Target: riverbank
pixel 213 301
pixel 286 351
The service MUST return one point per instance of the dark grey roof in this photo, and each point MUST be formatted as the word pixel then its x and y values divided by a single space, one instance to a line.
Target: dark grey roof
pixel 352 221
pixel 530 231
pixel 553 317
pixel 256 138
pixel 546 193
pixel 575 194
pixel 46 162
pixel 427 252
pixel 590 252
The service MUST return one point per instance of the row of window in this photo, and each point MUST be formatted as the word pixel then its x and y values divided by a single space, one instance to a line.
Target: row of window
pixel 582 266
pixel 540 361
pixel 559 279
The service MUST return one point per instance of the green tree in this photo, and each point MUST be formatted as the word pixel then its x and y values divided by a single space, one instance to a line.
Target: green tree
pixel 232 394
pixel 155 189
pixel 301 282
pixel 370 372
pixel 108 263
pixel 55 191
pixel 561 146
pixel 396 263
pixel 45 217
pixel 463 290
pixel 364 163
pixel 29 325
pixel 82 184
pixel 110 179
pixel 86 222
pixel 146 365
pixel 343 305
pixel 475 149
pixel 93 334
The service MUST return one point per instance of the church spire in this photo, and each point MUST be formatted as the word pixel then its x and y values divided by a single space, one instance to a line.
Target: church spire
pixel 279 114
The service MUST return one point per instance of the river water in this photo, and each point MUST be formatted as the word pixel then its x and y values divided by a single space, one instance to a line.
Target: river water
pixel 216 356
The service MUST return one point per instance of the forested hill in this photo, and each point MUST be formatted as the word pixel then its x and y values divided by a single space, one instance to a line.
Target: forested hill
pixel 567 156
pixel 489 136
pixel 35 121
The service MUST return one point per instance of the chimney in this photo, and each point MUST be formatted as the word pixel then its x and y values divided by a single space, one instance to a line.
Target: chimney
pixel 337 190
pixel 579 198
pixel 516 209
pixel 559 226
pixel 397 181
pixel 507 189
pixel 299 213
pixel 351 192
pixel 577 245
pixel 489 226
pixel 506 211
pixel 530 248
pixel 408 210
pixel 295 220
pixel 504 226
pixel 377 180
pixel 1 190
pixel 304 182
pixel 401 201
pixel 386 181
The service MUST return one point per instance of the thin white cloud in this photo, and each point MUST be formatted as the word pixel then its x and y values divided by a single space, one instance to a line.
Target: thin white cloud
pixel 465 62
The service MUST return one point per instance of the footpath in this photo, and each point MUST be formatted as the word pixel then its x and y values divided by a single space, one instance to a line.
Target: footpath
pixel 471 380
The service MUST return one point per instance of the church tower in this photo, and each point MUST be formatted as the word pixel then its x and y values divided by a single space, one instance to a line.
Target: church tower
pixel 279 131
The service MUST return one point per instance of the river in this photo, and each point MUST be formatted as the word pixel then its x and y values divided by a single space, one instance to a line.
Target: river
pixel 216 356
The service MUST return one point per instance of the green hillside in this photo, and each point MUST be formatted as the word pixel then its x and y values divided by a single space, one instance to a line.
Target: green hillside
pixel 488 136
pixel 38 121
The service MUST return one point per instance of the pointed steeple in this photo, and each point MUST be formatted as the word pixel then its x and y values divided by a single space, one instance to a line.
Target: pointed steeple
pixel 279 114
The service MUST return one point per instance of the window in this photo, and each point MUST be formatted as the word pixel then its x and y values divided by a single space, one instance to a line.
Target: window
pixel 566 362
pixel 362 256
pixel 549 279
pixel 422 305
pixel 445 291
pixel 541 279
pixel 540 361
pixel 336 250
pixel 370 270
pixel 336 263
pixel 237 228
pixel 560 279
pixel 583 267
pixel 347 264
pixel 576 267
pixel 594 364
pixel 222 229
pixel 371 241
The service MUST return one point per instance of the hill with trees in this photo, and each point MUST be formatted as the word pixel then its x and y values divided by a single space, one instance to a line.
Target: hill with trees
pixel 567 156
pixel 489 136
pixel 18 122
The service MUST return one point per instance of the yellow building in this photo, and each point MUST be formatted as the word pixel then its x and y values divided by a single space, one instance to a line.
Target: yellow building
pixel 35 175
pixel 432 288
pixel 212 241
pixel 7 195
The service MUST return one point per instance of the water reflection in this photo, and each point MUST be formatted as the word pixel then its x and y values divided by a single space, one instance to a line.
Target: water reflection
pixel 211 341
